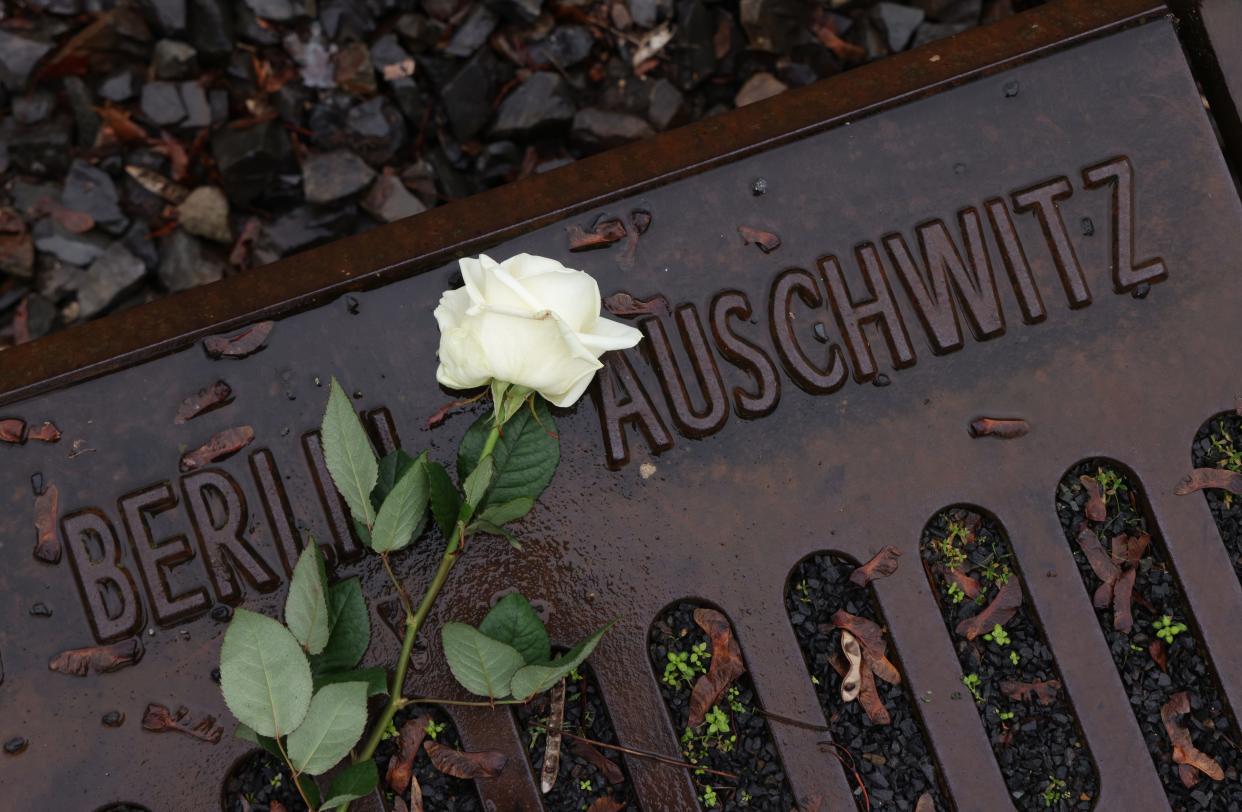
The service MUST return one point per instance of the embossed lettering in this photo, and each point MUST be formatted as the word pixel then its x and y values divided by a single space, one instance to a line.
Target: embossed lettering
pixel 107 588
pixel 222 534
pixel 279 514
pixel 880 309
pixel 631 405
pixel 691 421
pixel 1014 257
pixel 781 321
pixel 746 355
pixel 1119 174
pixel 1042 200
pixel 970 284
pixel 348 547
pixel 157 559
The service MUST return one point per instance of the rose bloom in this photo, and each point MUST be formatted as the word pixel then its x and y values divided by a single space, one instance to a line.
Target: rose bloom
pixel 527 321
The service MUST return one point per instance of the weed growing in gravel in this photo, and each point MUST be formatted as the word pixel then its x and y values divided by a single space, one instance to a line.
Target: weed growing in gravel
pixel 1055 792
pixel 971 681
pixel 998 635
pixel 1167 630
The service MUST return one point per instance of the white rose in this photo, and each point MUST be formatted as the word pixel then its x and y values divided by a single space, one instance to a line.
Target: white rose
pixel 528 321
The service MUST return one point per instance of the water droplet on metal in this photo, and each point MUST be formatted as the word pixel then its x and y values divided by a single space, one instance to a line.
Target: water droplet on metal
pixel 959 169
pixel 1088 226
pixel 36 483
pixel 41 610
pixel 351 304
pixel 222 613
pixel 1011 88
pixel 215 675
pixel 1141 290
pixel 317 381
pixel 284 432
pixel 759 187
pixel 357 394
pixel 881 380
pixel 113 719
pixel 821 332
pixel 16 745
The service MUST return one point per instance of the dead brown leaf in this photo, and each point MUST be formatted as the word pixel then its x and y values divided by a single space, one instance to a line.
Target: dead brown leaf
pixel 13 430
pixel 1095 509
pixel 239 345
pixel 79 662
pixel 552 744
pixel 605 803
pixel 178 160
pixel 1184 751
pixel 401 766
pixel 1101 564
pixel 825 31
pixel 605 232
pixel 221 446
pixel 1042 691
pixel 853 656
pixel 47 511
pixel 157 184
pixel 999 611
pixel 416 795
pixel 1129 549
pixel 869 698
pixel 462 764
pixel 121 125
pixel 1159 654
pixel 871 637
pixel 881 565
pixel 969 586
pixel 726 664
pixel 925 803
pixel 45 432
pixel 158 719
pixel 1004 428
pixel 204 400
pixel 1202 478
pixel 766 240
pixel 626 306
pixel 592 755
pixel 1123 593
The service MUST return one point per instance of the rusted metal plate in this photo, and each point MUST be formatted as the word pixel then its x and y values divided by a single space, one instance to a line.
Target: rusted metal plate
pixel 738 440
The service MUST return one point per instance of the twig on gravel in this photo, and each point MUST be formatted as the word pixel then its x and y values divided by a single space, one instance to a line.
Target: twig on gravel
pixel 850 764
pixel 639 753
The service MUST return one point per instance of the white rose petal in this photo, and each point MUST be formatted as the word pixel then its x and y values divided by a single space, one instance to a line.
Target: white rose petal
pixel 528 321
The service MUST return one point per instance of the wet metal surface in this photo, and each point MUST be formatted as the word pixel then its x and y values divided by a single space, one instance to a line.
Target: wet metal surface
pixel 750 430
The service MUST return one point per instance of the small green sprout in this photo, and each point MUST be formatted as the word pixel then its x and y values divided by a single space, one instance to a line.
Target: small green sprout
pixel 1167 630
pixel 735 702
pixel 1004 716
pixel 956 594
pixel 804 592
pixel 709 798
pixel 390 731
pixel 678 669
pixel 972 682
pixel 434 729
pixel 585 785
pixel 1055 791
pixel 954 558
pixel 717 722
pixel 574 675
pixel 1014 658
pixel 998 635
pixel 699 656
pixel 1110 482
pixel 277 780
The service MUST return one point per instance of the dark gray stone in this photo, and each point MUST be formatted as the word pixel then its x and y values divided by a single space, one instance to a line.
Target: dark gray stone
pixel 952 11
pixel 595 129
pixel 251 29
pixel 565 46
pixel 33 107
pixel 90 190
pixel 162 104
pixel 930 32
pixel 646 13
pixel 694 58
pixel 112 274
pixel 18 56
pixel 28 194
pixel 774 25
pixel 168 16
pixel 524 10
pixel 542 101
pixel 498 162
pixel 389 200
pixel 250 158
pixel 387 54
pixel 473 32
pixel 330 176
pixel 120 86
pixel 667 105
pixel 41 315
pixel 467 97
pixel 173 59
pixel 276 10
pixel 138 240
pixel 301 228
pixel 197 109
pixel 375 130
pixel 419 33
pixel 74 249
pixel 185 262
pixel 410 100
pixel 211 28
pixel 82 104
pixel 899 22
pixel 40 149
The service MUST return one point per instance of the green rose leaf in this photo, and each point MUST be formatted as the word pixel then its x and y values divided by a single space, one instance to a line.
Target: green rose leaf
pixel 484 526
pixel 525 456
pixel 445 498
pixel 510 511
pixel 348 454
pixel 351 784
pixel 333 725
pixel 264 675
pixel 376 679
pixel 508 399
pixel 306 606
pixel 535 679
pixel 476 484
pixel 404 512
pixel 310 789
pixel 483 666
pixel 513 621
pixel 392 468
pixel 350 625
